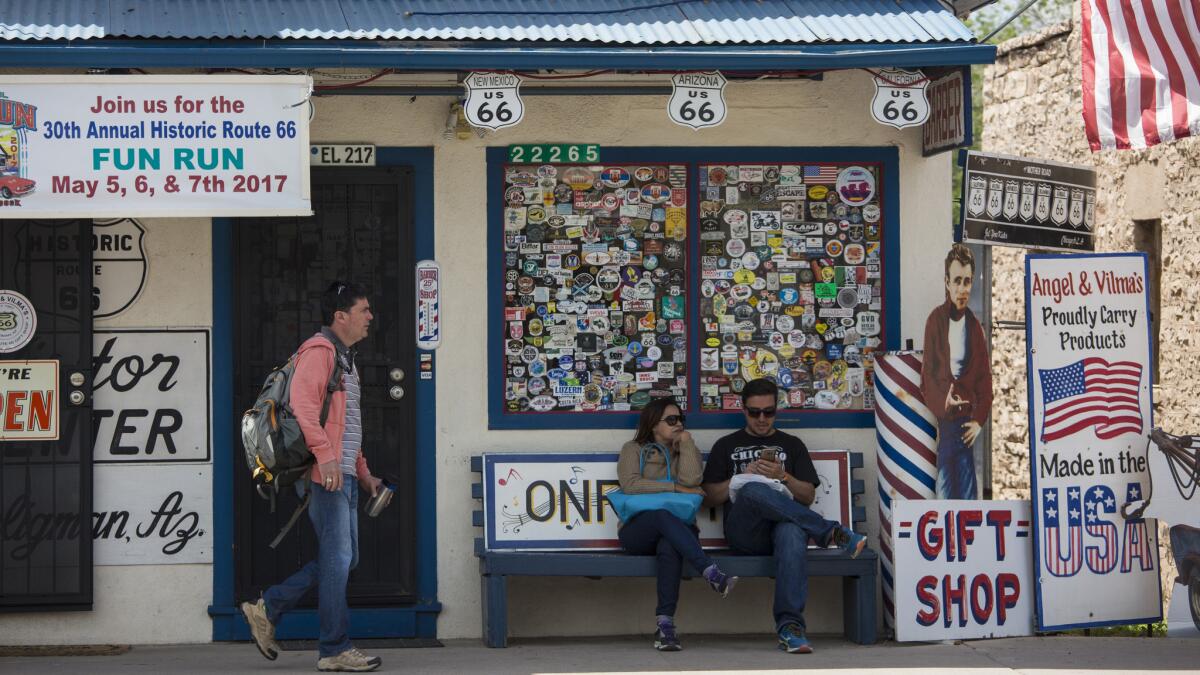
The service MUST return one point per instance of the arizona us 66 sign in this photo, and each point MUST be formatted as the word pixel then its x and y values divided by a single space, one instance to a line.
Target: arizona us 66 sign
pixel 697 99
pixel 493 100
pixel 900 99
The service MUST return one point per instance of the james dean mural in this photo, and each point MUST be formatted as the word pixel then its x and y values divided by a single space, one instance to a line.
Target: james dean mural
pixel 956 378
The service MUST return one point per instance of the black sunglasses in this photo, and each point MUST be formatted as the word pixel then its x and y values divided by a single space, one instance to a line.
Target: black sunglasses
pixel 674 419
pixel 760 412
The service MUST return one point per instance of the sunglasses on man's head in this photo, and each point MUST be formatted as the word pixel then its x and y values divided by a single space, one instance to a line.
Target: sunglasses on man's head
pixel 674 419
pixel 760 412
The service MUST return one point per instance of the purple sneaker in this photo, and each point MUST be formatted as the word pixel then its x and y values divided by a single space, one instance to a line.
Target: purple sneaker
pixel 720 582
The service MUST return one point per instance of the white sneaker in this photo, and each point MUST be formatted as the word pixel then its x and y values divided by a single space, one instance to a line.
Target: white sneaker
pixel 261 628
pixel 349 661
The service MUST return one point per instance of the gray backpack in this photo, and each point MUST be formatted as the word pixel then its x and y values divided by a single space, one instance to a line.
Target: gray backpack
pixel 276 452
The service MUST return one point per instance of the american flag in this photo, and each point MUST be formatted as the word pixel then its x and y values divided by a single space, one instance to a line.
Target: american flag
pixel 1141 72
pixel 1101 559
pixel 1091 392
pixel 1056 564
pixel 823 173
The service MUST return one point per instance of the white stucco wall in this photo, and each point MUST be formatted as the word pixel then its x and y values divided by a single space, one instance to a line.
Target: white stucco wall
pixel 132 602
pixel 834 111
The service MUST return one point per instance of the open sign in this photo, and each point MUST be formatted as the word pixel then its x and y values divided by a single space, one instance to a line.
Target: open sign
pixel 29 400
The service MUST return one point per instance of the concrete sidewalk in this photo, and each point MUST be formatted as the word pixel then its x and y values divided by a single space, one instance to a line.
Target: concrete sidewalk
pixel 702 654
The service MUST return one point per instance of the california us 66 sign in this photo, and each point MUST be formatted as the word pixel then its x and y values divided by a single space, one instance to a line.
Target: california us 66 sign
pixel 493 100
pixel 697 99
pixel 900 98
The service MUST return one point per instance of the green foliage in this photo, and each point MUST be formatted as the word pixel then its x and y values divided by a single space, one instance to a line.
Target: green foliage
pixel 1133 630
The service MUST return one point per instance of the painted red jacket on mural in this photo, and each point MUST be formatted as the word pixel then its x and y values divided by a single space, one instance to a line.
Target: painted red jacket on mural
pixel 975 383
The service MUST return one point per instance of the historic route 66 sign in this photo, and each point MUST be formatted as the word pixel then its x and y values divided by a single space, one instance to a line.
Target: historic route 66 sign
pixel 697 99
pixel 899 99
pixel 493 100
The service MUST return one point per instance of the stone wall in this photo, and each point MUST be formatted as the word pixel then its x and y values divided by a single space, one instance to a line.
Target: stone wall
pixel 1033 108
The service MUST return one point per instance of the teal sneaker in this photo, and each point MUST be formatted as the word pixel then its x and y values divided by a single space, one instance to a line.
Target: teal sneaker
pixel 849 541
pixel 792 640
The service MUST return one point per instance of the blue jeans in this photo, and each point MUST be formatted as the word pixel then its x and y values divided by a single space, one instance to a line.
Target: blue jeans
pixel 671 540
pixel 955 461
pixel 334 516
pixel 765 522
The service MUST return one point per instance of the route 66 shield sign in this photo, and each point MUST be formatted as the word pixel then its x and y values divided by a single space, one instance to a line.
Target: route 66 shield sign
pixel 493 100
pixel 899 99
pixel 697 99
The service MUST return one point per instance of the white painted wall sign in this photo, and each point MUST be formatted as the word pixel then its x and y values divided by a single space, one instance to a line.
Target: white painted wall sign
pixel 493 100
pixel 151 399
pixel 103 146
pixel 554 502
pixel 962 569
pixel 697 99
pixel 29 401
pixel 119 266
pixel 1090 411
pixel 152 514
pixel 899 99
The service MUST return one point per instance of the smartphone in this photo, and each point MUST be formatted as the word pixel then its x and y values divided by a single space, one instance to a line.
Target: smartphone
pixel 767 454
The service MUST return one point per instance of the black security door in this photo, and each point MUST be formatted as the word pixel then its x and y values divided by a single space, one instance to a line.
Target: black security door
pixel 362 231
pixel 46 485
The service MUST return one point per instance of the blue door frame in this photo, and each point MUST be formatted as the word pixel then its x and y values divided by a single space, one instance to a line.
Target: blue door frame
pixel 415 620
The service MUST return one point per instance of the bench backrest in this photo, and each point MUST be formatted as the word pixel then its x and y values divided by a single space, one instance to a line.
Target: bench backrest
pixel 556 502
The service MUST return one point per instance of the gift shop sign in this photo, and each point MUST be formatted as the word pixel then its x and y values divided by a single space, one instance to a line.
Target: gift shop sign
pixel 1089 415
pixel 962 569
pixel 29 400
pixel 558 502
pixel 154 145
pixel 151 396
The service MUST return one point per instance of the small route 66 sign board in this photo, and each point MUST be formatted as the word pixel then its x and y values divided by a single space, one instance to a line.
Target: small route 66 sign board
pixel 900 99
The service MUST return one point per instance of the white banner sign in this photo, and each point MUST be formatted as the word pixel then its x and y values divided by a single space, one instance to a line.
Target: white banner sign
pixel 29 400
pixel 552 502
pixel 152 514
pixel 1089 369
pixel 151 396
pixel 962 569
pixel 153 145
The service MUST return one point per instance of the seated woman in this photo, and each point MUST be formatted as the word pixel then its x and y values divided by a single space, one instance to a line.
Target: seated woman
pixel 660 435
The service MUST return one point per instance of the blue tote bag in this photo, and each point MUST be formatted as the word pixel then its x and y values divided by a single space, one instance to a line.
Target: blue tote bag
pixel 681 505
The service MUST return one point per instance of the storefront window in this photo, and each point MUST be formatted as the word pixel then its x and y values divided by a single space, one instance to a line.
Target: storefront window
pixel 595 286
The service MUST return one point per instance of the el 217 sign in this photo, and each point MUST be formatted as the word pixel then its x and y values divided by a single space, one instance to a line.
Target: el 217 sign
pixel 899 99
pixel 697 99
pixel 493 100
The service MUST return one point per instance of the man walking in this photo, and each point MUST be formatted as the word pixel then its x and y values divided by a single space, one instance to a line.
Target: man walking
pixel 337 449
pixel 766 480
pixel 956 378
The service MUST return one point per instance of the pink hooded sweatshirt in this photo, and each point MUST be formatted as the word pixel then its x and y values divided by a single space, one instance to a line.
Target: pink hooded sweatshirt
pixel 314 366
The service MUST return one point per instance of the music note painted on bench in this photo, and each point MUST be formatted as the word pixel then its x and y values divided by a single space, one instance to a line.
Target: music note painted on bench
pixel 572 525
pixel 511 473
pixel 575 470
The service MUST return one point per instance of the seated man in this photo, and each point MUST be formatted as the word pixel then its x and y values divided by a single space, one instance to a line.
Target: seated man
pixel 766 480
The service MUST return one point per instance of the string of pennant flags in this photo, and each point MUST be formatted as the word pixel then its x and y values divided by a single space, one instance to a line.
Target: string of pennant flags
pixel 493 99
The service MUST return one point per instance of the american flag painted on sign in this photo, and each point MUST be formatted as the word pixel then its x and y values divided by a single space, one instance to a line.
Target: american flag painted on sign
pixel 1091 393
pixel 906 460
pixel 1141 72
pixel 1101 556
pixel 1055 538
pixel 820 174
pixel 1137 537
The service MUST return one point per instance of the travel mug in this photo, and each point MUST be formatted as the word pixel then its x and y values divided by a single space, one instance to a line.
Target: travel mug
pixel 382 498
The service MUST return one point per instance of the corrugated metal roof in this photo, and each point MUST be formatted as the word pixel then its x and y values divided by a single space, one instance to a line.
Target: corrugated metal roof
pixel 617 22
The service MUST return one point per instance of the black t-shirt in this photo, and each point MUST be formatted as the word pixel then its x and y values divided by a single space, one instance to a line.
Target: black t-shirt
pixel 731 454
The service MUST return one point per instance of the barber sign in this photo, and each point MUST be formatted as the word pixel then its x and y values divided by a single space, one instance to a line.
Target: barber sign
pixel 493 100
pixel 900 99
pixel 962 569
pixel 697 99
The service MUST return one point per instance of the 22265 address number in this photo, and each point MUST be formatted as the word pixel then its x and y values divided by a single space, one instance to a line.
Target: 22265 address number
pixel 553 153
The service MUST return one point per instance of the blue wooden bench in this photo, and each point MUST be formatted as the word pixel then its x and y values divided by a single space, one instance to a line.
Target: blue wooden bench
pixel 859 575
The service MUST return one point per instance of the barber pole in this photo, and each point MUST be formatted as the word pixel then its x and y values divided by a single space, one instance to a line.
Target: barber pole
pixel 906 458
